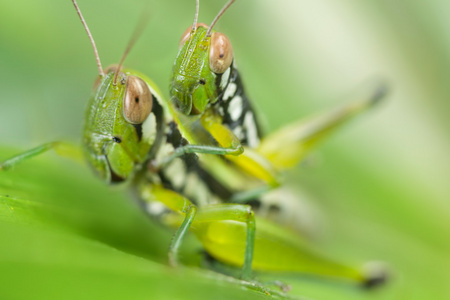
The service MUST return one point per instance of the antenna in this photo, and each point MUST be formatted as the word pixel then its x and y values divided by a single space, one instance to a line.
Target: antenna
pixel 208 33
pixel 136 34
pixel 197 6
pixel 97 58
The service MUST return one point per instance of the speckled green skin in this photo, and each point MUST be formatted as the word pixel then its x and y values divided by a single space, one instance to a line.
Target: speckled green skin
pixel 105 121
pixel 191 65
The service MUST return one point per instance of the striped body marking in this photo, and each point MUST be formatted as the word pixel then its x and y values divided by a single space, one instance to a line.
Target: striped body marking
pixel 184 175
pixel 236 110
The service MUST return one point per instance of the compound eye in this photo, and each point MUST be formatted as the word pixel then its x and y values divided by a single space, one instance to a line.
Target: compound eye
pixel 138 100
pixel 187 33
pixel 220 53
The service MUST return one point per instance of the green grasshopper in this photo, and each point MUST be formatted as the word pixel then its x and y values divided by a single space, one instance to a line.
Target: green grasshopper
pixel 209 103
pixel 130 137
pixel 206 89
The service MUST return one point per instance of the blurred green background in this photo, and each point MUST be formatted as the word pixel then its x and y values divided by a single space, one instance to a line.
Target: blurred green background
pixel 380 185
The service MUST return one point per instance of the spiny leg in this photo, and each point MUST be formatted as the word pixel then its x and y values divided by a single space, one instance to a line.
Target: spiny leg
pixel 180 234
pixel 223 142
pixel 289 145
pixel 229 144
pixel 250 162
pixel 151 193
pixel 209 213
pixel 180 151
pixel 234 212
pixel 61 148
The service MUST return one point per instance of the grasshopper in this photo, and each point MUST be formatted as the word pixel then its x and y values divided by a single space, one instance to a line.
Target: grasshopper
pixel 206 89
pixel 133 137
pixel 208 99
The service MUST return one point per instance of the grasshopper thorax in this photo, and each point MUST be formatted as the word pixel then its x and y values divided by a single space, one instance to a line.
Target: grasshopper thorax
pixel 123 123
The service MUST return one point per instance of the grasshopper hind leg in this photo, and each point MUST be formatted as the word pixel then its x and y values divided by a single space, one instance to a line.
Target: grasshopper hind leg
pixel 210 263
pixel 201 219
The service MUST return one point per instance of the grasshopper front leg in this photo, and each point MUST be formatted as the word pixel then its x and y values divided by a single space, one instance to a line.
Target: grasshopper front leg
pixel 225 143
pixel 249 161
pixel 205 149
pixel 221 133
pixel 205 214
pixel 61 148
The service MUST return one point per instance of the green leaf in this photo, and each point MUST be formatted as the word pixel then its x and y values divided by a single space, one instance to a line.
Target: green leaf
pixel 67 236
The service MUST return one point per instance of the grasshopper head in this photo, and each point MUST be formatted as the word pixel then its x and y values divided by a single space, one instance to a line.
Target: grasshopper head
pixel 124 120
pixel 202 68
pixel 123 123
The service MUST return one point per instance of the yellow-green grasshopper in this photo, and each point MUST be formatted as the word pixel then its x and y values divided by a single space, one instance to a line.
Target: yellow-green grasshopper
pixel 206 89
pixel 129 138
pixel 208 101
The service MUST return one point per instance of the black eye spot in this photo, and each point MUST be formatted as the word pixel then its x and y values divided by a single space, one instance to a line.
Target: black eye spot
pixel 202 81
pixel 136 100
pixel 116 140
